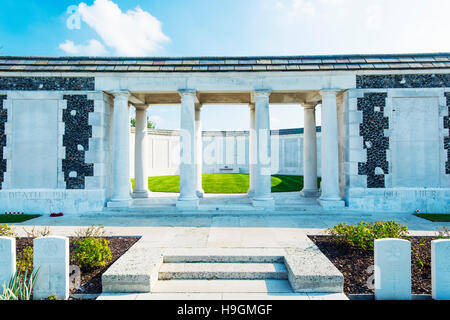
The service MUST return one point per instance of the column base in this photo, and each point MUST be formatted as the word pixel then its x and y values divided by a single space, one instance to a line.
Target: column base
pixel 140 194
pixel 251 193
pixel 187 204
pixel 119 203
pixel 200 193
pixel 329 204
pixel 310 193
pixel 267 202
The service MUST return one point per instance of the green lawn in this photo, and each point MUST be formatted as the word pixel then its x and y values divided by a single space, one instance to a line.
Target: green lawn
pixel 225 183
pixel 10 218
pixel 435 217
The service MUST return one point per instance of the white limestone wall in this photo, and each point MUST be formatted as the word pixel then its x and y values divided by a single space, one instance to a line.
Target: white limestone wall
pixel 416 177
pixel 34 180
pixel 223 152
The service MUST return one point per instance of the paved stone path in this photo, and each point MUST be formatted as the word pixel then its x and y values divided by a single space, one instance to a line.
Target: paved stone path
pixel 234 222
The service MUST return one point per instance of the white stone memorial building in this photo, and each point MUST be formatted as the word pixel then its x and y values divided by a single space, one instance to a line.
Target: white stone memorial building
pixel 65 128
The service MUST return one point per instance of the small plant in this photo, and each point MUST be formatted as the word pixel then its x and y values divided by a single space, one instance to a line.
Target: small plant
pixel 52 297
pixel 419 263
pixel 362 235
pixel 92 253
pixel 444 233
pixel 91 232
pixel 6 231
pixel 36 233
pixel 25 260
pixel 20 286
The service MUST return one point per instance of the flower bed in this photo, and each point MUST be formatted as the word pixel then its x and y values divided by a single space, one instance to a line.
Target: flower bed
pixel 355 264
pixel 91 282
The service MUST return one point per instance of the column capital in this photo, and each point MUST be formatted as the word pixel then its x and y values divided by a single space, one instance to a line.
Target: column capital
pixel 141 106
pixel 329 92
pixel 187 92
pixel 310 105
pixel 262 93
pixel 121 93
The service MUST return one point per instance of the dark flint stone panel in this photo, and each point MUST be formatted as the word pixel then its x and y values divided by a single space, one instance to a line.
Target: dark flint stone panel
pixel 76 140
pixel 3 119
pixel 447 139
pixel 47 83
pixel 374 141
pixel 398 81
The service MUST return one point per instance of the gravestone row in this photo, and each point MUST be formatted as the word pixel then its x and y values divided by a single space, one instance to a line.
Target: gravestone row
pixel 50 258
pixel 392 259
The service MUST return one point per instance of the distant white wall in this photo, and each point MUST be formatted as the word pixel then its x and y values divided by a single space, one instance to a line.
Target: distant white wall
pixel 223 152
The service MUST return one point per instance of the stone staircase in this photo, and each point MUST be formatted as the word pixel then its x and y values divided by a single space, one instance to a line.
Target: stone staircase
pixel 219 270
pixel 230 273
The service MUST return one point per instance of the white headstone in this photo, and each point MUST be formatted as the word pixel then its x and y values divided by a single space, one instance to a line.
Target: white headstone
pixel 7 260
pixel 440 269
pixel 392 269
pixel 51 256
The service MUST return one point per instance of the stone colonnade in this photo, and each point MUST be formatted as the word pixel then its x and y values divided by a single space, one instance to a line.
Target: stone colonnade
pixel 259 152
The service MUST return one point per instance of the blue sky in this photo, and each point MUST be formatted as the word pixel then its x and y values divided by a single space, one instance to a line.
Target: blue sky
pixel 223 28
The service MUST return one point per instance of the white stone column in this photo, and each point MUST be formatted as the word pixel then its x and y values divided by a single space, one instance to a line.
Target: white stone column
pixel 121 151
pixel 199 149
pixel 309 152
pixel 252 151
pixel 188 179
pixel 330 197
pixel 263 169
pixel 140 154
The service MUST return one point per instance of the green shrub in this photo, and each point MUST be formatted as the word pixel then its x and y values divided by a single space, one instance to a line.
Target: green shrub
pixel 444 233
pixel 92 253
pixel 6 231
pixel 25 260
pixel 362 235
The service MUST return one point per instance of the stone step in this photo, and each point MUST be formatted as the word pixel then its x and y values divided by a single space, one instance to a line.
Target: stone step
pixel 210 271
pixel 222 286
pixel 223 255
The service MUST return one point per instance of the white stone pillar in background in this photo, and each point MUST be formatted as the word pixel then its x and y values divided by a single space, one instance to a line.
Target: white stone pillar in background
pixel 309 152
pixel 140 153
pixel 392 260
pixel 121 157
pixel 7 260
pixel 440 269
pixel 188 178
pixel 51 258
pixel 199 149
pixel 329 186
pixel 263 169
pixel 252 151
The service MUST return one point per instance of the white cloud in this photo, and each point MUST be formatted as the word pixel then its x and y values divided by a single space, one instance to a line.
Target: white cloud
pixel 304 7
pixel 297 7
pixel 92 48
pixel 133 33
